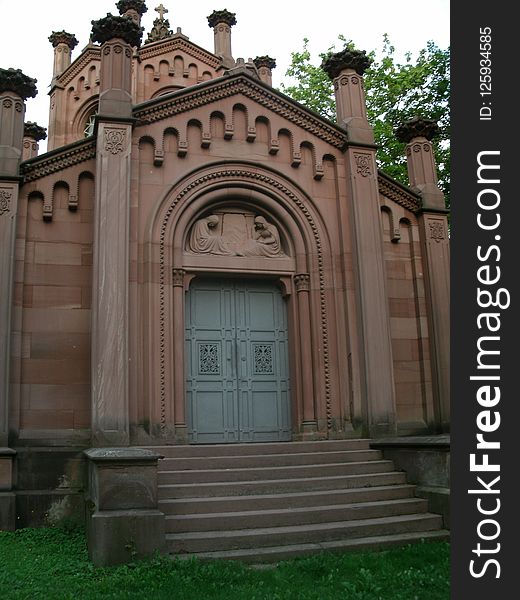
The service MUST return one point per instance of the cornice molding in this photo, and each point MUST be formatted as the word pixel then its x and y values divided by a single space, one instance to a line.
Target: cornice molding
pixel 224 87
pixel 398 193
pixel 57 160
pixel 178 43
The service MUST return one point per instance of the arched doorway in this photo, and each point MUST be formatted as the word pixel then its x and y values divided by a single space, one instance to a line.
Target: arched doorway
pixel 237 371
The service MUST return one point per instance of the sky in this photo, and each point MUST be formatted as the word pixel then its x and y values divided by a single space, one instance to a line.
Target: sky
pixel 268 27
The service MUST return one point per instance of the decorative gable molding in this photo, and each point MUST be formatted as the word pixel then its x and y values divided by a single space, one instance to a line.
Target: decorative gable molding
pixel 398 193
pixel 178 43
pixel 90 54
pixel 57 160
pixel 225 87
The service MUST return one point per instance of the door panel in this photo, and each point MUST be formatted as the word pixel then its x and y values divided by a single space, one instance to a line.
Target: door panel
pixel 237 370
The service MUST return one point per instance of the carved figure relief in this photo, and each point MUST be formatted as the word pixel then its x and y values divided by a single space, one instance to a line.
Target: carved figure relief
pixel 235 234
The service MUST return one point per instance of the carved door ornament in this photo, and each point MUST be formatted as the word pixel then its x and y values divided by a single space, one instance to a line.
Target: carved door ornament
pixel 235 234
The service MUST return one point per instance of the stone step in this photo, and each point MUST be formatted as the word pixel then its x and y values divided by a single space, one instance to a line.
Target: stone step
pixel 267 460
pixel 278 486
pixel 262 473
pixel 215 450
pixel 277 553
pixel 188 506
pixel 227 521
pixel 210 541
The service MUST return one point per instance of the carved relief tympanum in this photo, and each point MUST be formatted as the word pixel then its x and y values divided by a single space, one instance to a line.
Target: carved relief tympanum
pixel 235 234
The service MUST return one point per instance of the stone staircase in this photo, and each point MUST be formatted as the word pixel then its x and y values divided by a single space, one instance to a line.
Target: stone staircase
pixel 272 501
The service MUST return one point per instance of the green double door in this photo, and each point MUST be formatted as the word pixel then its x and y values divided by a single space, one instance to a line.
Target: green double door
pixel 237 384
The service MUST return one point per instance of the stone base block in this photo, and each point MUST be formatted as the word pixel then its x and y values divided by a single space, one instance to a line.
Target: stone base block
pixel 121 536
pixel 438 501
pixel 7 511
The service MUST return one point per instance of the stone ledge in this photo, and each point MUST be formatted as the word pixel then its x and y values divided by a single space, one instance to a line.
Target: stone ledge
pixel 119 455
pixel 436 442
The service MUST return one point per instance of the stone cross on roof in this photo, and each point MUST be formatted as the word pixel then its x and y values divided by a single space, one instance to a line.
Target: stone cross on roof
pixel 161 10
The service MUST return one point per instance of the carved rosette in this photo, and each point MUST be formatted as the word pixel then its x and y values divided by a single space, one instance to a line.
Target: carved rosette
pixel 417 127
pixel 13 80
pixel 346 59
pixel 302 282
pixel 5 201
pixel 111 27
pixel 348 79
pixel 178 277
pixel 222 17
pixel 363 164
pixel 115 140
pixel 437 231
pixel 62 37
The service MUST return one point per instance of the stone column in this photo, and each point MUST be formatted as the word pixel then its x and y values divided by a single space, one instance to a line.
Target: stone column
pixel 32 134
pixel 377 379
pixel 181 429
pixel 221 21
pixel 109 363
pixel 134 9
pixel 433 226
pixel 15 87
pixel 302 282
pixel 265 65
pixel 63 44
pixel 123 523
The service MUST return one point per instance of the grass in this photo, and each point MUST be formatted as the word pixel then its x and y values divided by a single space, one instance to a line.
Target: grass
pixel 52 564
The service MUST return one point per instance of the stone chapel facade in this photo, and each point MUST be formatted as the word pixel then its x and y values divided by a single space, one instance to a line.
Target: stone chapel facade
pixel 197 258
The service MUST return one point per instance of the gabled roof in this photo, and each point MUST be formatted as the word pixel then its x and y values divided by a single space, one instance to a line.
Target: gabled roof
pixel 179 42
pixel 89 54
pixel 232 84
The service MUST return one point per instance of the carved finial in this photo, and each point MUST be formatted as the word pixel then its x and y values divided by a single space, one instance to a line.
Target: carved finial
pixel 346 59
pixel 111 27
pixel 13 80
pixel 222 16
pixel 34 131
pixel 161 26
pixel 62 37
pixel 125 5
pixel 265 61
pixel 417 127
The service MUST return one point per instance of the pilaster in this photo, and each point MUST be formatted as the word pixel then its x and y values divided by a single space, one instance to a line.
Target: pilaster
pixel 15 87
pixel 377 379
pixel 32 134
pixel 110 407
pixel 417 133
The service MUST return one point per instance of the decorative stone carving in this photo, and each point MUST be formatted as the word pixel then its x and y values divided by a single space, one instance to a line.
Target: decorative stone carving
pixel 178 277
pixel 111 27
pixel 346 59
pixel 5 201
pixel 265 61
pixel 417 127
pixel 302 282
pixel 363 164
pixel 139 6
pixel 161 27
pixel 437 232
pixel 62 37
pixel 34 131
pixel 222 16
pixel 115 140
pixel 233 234
pixel 13 80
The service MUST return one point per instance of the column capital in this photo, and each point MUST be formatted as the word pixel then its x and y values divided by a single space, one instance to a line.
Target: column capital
pixel 222 16
pixel 13 80
pixel 415 128
pixel 34 131
pixel 178 277
pixel 63 37
pixel 302 282
pixel 348 58
pixel 124 6
pixel 110 27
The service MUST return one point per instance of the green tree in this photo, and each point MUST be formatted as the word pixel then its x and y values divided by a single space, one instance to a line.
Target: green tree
pixel 396 90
